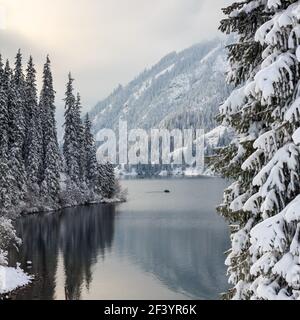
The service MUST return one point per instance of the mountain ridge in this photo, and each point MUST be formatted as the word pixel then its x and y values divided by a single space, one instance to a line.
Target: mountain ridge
pixel 181 85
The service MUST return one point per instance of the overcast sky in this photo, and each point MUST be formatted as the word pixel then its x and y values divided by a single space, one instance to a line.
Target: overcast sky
pixel 103 42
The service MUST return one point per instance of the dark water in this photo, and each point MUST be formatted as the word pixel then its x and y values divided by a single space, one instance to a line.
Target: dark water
pixel 155 246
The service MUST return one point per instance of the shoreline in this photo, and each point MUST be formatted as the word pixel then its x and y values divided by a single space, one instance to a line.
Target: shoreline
pixel 31 211
pixel 50 210
pixel 46 210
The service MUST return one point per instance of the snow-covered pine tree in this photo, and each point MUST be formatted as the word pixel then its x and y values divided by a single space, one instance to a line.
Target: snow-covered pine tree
pixel 111 180
pixel 4 118
pixel 82 155
pixel 71 150
pixel 245 117
pixel 30 98
pixel 90 154
pixel 275 241
pixel 81 142
pixel 33 142
pixel 1 68
pixel 106 182
pixel 262 204
pixel 50 171
pixel 7 182
pixel 16 131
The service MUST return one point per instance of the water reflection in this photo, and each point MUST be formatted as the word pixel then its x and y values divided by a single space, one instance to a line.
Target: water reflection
pixel 81 235
pixel 185 256
pixel 155 246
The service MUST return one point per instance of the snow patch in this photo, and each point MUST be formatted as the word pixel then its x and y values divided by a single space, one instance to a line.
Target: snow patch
pixel 12 279
pixel 165 71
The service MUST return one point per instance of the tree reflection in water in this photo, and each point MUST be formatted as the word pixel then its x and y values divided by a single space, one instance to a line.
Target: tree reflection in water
pixel 171 245
pixel 80 235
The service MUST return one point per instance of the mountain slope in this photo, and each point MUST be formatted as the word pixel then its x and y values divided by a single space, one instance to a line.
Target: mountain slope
pixel 183 89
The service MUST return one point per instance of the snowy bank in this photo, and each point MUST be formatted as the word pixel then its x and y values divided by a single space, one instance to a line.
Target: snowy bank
pixel 12 279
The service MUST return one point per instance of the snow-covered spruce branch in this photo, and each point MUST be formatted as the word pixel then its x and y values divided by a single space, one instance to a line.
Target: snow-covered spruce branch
pixel 263 202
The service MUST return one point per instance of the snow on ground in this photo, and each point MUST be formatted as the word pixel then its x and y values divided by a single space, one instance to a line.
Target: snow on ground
pixel 13 278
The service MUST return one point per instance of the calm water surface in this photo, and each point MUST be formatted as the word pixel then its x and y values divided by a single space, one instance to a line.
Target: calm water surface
pixel 155 246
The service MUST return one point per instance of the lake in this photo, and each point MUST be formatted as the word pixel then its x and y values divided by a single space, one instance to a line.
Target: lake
pixel 155 246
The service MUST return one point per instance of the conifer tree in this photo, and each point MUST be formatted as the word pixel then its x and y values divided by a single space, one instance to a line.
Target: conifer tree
pixel 1 68
pixel 90 154
pixel 244 57
pixel 81 142
pixel 106 183
pixel 30 161
pixel 110 181
pixel 16 130
pixel 33 148
pixel 50 171
pixel 275 243
pixel 262 203
pixel 7 181
pixel 71 150
pixel 4 119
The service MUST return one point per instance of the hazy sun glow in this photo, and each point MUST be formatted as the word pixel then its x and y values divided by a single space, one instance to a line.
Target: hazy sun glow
pixel 50 22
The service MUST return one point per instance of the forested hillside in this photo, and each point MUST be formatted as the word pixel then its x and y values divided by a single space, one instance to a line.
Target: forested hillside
pixel 183 90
